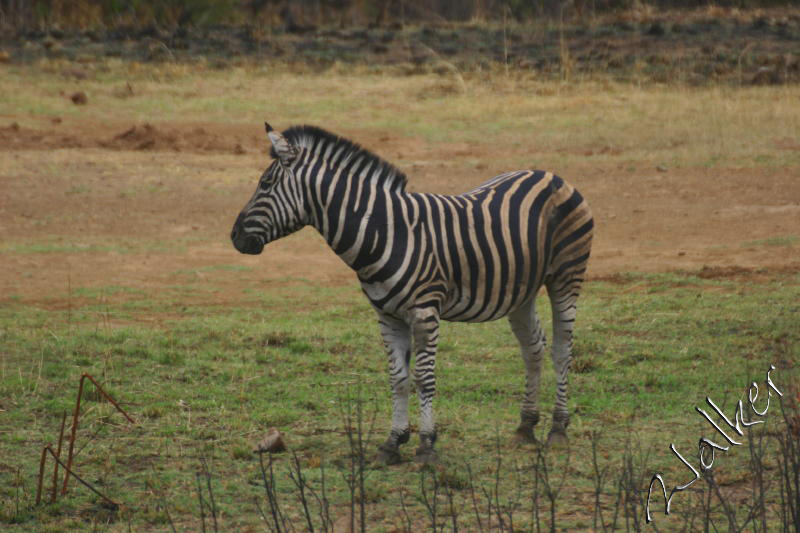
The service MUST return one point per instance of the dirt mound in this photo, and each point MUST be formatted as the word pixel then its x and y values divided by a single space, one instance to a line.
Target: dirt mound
pixel 137 137
pixel 732 272
pixel 15 137
pixel 144 137
pixel 739 273
pixel 149 137
pixel 202 140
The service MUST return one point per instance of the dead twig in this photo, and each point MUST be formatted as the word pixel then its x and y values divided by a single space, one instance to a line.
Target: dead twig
pixel 58 454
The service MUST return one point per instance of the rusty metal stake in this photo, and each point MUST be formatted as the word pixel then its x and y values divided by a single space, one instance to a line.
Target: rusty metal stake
pixel 58 454
pixel 48 448
pixel 74 429
pixel 109 398
pixel 41 476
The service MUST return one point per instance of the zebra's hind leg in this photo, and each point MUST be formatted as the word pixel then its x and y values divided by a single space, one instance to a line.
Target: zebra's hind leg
pixel 397 341
pixel 425 333
pixel 526 327
pixel 563 294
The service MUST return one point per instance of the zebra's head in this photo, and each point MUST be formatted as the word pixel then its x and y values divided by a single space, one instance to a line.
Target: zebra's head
pixel 276 208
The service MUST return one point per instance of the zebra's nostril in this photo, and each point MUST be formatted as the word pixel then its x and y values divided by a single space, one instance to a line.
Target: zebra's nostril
pixel 233 234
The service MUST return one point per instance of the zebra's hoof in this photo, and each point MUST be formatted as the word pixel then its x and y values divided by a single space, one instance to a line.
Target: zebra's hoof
pixel 557 439
pixel 525 435
pixel 426 456
pixel 388 456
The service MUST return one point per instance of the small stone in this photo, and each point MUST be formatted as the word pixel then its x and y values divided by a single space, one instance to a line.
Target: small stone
pixel 79 98
pixel 50 43
pixel 656 29
pixel 525 64
pixel 78 74
pixel 271 443
pixel 767 75
pixel 661 168
pixel 5 57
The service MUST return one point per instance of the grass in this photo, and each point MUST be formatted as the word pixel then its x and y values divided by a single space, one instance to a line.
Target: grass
pixel 209 382
pixel 78 248
pixel 782 240
pixel 549 123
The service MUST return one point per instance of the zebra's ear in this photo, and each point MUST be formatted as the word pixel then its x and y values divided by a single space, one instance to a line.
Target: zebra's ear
pixel 281 148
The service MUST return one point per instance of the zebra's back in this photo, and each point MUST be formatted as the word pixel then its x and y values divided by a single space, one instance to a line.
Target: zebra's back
pixel 498 243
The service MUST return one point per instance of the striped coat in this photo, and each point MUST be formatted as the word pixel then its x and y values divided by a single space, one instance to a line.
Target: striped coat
pixel 420 258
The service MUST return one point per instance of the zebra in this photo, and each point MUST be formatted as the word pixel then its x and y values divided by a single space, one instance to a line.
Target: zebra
pixel 422 258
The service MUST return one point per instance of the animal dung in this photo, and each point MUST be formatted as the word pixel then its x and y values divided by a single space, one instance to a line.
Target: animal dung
pixel 271 443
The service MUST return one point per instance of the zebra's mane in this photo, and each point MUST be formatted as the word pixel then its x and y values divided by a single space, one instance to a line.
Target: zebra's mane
pixel 316 139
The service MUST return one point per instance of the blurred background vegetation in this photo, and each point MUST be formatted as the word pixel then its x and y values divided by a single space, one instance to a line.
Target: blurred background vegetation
pixel 306 15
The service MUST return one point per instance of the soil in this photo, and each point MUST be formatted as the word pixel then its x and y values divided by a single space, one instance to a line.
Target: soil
pixel 113 224
pixel 144 137
pixel 713 45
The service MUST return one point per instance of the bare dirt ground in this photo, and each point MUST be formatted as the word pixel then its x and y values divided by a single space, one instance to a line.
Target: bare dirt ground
pixel 88 204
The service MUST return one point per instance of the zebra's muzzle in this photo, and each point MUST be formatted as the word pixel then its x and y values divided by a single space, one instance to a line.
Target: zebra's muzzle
pixel 246 243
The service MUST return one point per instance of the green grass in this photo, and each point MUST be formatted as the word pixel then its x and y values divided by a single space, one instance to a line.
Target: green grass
pixel 783 240
pixel 79 247
pixel 213 268
pixel 207 381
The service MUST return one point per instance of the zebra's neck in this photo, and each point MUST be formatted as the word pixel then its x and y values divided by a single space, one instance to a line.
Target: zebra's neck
pixel 352 196
pixel 361 215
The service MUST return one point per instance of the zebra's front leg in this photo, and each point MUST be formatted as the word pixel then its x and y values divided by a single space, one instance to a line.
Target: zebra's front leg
pixel 425 332
pixel 397 341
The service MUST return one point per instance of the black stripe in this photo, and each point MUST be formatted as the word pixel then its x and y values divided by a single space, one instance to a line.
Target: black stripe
pixel 573 237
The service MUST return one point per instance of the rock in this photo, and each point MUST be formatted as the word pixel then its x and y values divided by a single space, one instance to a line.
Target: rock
pixel 767 76
pixel 271 443
pixel 763 22
pixel 661 168
pixel 525 64
pixel 77 73
pixel 79 98
pixel 5 57
pixel 656 29
pixel 50 44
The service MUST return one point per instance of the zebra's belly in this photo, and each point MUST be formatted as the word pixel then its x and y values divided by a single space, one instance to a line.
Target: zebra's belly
pixel 463 306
